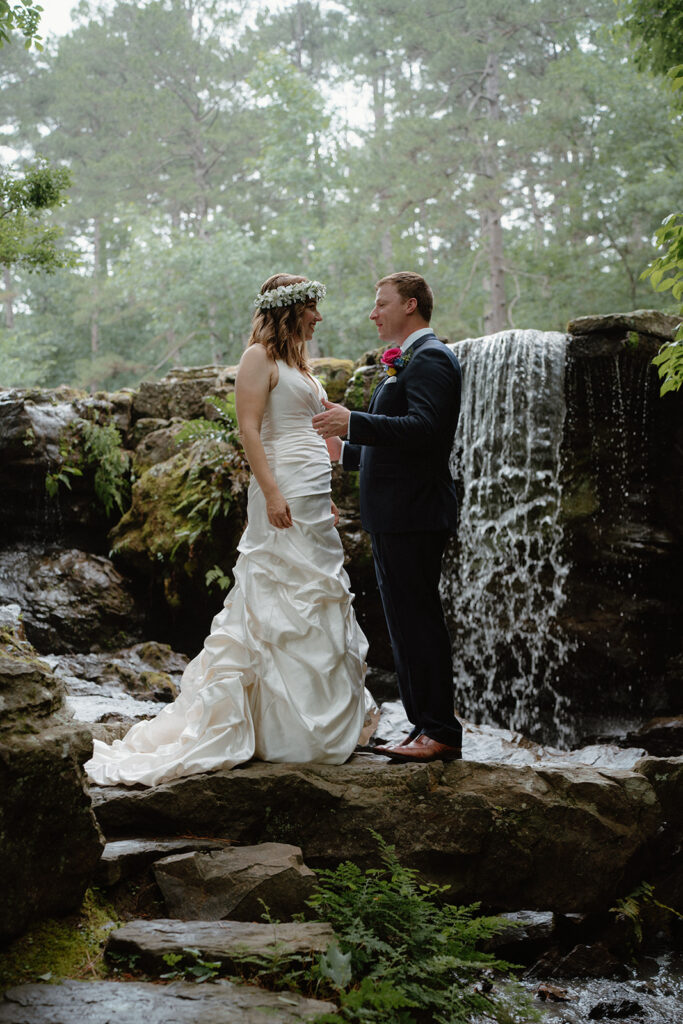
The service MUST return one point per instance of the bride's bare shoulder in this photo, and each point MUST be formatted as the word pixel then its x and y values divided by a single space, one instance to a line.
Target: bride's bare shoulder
pixel 256 363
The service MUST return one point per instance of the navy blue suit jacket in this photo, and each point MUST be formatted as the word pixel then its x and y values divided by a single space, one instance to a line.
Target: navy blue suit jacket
pixel 402 444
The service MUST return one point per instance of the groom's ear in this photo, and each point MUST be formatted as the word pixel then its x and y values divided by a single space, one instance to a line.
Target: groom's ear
pixel 410 305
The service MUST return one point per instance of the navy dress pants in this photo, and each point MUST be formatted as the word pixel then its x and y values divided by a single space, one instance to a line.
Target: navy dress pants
pixel 408 569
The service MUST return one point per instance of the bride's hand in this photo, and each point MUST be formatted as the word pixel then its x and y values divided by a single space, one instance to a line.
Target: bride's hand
pixel 335 513
pixel 334 448
pixel 278 511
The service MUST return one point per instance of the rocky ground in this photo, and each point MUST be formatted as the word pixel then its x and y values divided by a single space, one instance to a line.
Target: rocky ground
pixel 560 845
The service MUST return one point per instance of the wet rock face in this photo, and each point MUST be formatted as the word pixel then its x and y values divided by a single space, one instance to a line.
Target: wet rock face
pixel 71 600
pixel 183 1002
pixel 34 424
pixel 49 841
pixel 622 469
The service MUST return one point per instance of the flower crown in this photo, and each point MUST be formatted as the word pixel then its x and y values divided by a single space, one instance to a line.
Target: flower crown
pixel 288 294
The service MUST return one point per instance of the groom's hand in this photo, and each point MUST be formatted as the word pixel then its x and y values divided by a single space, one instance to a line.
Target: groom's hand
pixel 333 422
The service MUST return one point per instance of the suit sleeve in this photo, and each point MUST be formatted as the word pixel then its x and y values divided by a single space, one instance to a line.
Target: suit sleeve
pixel 431 389
pixel 350 456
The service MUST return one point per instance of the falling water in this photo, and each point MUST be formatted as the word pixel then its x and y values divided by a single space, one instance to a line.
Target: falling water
pixel 507 584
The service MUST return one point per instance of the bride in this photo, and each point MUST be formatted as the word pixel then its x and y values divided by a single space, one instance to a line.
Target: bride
pixel 281 675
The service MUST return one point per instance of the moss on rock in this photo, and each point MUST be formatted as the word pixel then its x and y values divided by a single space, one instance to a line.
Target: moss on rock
pixel 67 947
pixel 335 374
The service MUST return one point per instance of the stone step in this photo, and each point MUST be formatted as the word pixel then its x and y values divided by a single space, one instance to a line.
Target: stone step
pixel 133 1002
pixel 567 838
pixel 126 858
pixel 220 941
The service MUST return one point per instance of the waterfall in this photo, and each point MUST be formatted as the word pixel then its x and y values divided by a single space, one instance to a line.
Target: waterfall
pixel 504 581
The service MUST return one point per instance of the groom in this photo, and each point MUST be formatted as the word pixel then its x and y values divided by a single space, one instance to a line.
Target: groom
pixel 402 447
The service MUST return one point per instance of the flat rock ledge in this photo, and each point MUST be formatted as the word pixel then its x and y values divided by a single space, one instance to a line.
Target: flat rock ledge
pixel 101 1002
pixel 226 941
pixel 125 858
pixel 561 838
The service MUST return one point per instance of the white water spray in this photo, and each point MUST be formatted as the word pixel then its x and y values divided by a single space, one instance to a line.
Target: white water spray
pixel 507 584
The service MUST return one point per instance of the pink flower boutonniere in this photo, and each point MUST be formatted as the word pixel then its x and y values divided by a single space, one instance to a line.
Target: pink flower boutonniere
pixel 395 359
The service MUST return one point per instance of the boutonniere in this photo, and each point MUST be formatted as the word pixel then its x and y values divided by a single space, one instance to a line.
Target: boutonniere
pixel 396 359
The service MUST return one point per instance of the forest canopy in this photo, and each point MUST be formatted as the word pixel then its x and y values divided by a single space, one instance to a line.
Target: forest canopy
pixel 513 152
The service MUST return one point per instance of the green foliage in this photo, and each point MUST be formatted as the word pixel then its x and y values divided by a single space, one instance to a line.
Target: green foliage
pixel 60 476
pixel 186 198
pixel 198 969
pixel 655 28
pixel 218 472
pixel 217 576
pixel 24 239
pixel 102 451
pixel 86 445
pixel 631 907
pixel 405 955
pixel 221 429
pixel 666 274
pixel 23 15
pixel 66 947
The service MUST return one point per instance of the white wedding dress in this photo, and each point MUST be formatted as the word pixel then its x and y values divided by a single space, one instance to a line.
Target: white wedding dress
pixel 281 675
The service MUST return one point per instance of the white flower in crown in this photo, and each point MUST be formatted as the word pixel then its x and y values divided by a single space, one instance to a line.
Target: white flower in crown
pixel 288 294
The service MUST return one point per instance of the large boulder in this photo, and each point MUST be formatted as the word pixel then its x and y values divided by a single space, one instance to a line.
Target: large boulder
pixel 49 841
pixel 553 838
pixel 183 392
pixel 235 883
pixel 71 600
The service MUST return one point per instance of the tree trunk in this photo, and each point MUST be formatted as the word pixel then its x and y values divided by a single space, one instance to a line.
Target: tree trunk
pixel 94 318
pixel 9 295
pixel 387 253
pixel 495 318
pixel 213 335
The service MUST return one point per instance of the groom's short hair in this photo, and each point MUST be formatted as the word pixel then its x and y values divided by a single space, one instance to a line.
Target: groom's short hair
pixel 412 286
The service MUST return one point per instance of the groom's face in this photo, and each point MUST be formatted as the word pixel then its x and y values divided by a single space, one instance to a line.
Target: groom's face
pixel 390 314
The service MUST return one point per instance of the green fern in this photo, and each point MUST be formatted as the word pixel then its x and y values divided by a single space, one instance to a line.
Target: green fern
pixel 218 471
pixel 86 446
pixel 412 957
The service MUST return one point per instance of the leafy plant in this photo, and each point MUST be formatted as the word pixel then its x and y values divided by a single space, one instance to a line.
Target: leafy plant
pixel 217 576
pixel 86 445
pixel 102 449
pixel 406 956
pixel 666 272
pixel 199 970
pixel 218 473
pixel 631 907
pixel 60 476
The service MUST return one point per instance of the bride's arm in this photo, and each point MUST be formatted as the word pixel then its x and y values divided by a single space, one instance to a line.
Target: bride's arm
pixel 254 381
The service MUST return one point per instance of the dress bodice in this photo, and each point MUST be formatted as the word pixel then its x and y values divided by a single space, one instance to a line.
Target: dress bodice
pixel 291 405
pixel 296 453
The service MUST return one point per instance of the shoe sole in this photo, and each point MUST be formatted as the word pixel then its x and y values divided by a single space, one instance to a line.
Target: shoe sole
pixel 407 759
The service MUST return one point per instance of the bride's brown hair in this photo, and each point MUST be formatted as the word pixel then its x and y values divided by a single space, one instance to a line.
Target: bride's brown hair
pixel 279 329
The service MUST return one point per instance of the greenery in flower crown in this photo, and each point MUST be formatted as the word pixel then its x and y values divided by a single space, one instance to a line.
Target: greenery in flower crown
pixel 288 294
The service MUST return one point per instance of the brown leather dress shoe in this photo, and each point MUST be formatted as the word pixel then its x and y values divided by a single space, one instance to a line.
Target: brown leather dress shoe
pixel 423 750
pixel 386 748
